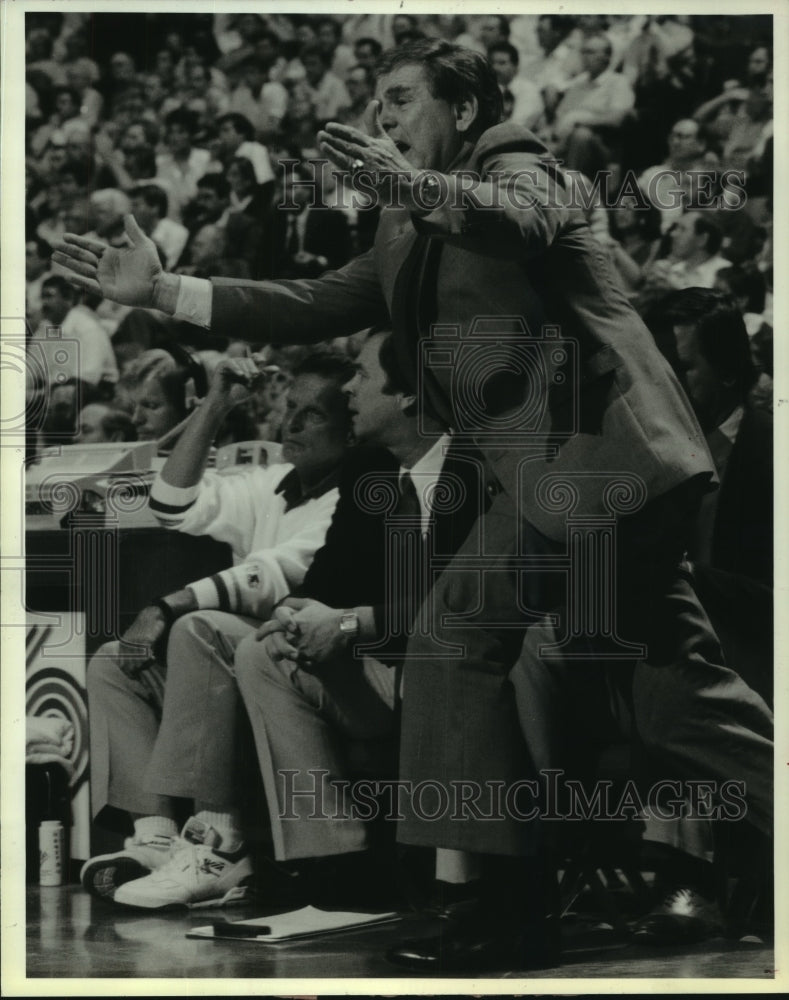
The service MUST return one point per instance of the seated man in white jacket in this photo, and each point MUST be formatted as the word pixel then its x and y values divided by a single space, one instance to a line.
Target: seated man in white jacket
pixel 160 733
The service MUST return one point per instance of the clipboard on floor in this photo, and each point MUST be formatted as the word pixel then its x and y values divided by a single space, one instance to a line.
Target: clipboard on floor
pixel 298 925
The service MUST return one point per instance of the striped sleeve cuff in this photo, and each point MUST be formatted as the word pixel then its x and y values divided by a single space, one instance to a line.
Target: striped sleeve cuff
pixel 168 503
pixel 207 593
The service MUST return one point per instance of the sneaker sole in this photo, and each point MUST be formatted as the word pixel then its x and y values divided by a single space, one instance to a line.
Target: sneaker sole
pixel 238 894
pixel 102 877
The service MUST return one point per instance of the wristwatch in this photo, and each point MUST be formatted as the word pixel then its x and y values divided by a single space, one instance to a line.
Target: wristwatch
pixel 427 191
pixel 349 624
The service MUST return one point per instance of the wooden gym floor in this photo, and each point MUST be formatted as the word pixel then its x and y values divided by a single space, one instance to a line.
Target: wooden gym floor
pixel 71 935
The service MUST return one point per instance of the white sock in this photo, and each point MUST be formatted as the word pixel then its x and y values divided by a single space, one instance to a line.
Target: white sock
pixel 227 825
pixel 457 867
pixel 152 826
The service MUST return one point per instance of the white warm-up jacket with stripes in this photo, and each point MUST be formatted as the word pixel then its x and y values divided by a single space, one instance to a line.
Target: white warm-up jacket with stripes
pixel 246 506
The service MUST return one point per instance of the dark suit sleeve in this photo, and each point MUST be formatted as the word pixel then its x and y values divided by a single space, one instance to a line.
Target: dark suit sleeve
pixel 511 198
pixel 301 312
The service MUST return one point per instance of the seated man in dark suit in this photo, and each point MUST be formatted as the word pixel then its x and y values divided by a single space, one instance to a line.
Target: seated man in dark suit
pixel 310 696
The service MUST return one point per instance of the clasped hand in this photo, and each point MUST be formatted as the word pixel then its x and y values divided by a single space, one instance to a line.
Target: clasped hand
pixel 304 631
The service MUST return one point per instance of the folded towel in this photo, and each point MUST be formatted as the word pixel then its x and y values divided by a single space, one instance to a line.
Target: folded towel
pixel 52 730
pixel 50 739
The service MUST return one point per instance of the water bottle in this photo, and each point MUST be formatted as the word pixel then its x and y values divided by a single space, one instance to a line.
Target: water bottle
pixel 50 849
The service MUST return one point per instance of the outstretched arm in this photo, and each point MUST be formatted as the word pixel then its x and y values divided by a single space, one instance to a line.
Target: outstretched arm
pixel 292 312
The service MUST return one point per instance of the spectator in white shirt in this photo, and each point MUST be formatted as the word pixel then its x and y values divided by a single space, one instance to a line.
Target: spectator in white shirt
pixel 592 109
pixel 236 134
pixel 523 103
pixel 183 165
pixel 695 241
pixel 149 207
pixel 326 91
pixel 261 100
pixel 70 342
pixel 341 56
pixel 668 186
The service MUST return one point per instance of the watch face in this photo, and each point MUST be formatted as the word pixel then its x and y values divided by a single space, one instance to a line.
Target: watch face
pixel 429 191
pixel 349 623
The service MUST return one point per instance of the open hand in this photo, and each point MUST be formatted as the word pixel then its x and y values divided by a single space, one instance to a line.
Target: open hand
pixel 370 150
pixel 127 275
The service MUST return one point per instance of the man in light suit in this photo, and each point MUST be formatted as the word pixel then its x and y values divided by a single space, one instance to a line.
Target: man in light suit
pixel 478 226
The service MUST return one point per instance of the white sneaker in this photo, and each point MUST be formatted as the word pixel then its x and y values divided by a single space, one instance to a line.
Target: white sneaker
pixel 196 874
pixel 102 875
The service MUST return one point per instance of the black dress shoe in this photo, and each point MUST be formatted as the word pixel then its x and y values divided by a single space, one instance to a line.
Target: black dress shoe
pixel 683 916
pixel 479 944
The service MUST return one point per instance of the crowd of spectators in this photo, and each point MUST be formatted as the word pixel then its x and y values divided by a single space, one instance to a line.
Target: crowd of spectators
pixel 188 121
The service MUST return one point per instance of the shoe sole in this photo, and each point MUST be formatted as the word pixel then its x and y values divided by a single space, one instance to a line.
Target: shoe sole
pixel 238 894
pixel 102 877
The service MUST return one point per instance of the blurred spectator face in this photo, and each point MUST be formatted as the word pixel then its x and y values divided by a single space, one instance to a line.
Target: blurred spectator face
pixel 758 65
pixel 79 145
pixel 69 188
pixel 164 66
pixel 504 68
pixel 179 139
pixel 266 51
pixel 146 215
pixel 300 106
pixel 199 79
pixel 78 218
pixel 547 36
pixel 249 27
pixel 154 90
pixel 683 140
pixel 365 54
pixel 626 214
pixel 62 410
pixel 208 246
pixel 423 127
pixel 34 265
pixel 328 37
pixel 39 45
pixel 314 68
pixel 122 68
pixel 53 159
pixel 254 76
pixel 490 31
pixel 133 138
pixel 65 107
pixel 210 203
pixel 78 77
pixel 315 428
pixel 402 24
pixel 595 55
pixel 305 35
pixel 154 414
pixel 240 185
pixel 685 241
pixel 55 306
pixel 359 89
pixel 90 428
pixel 229 138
